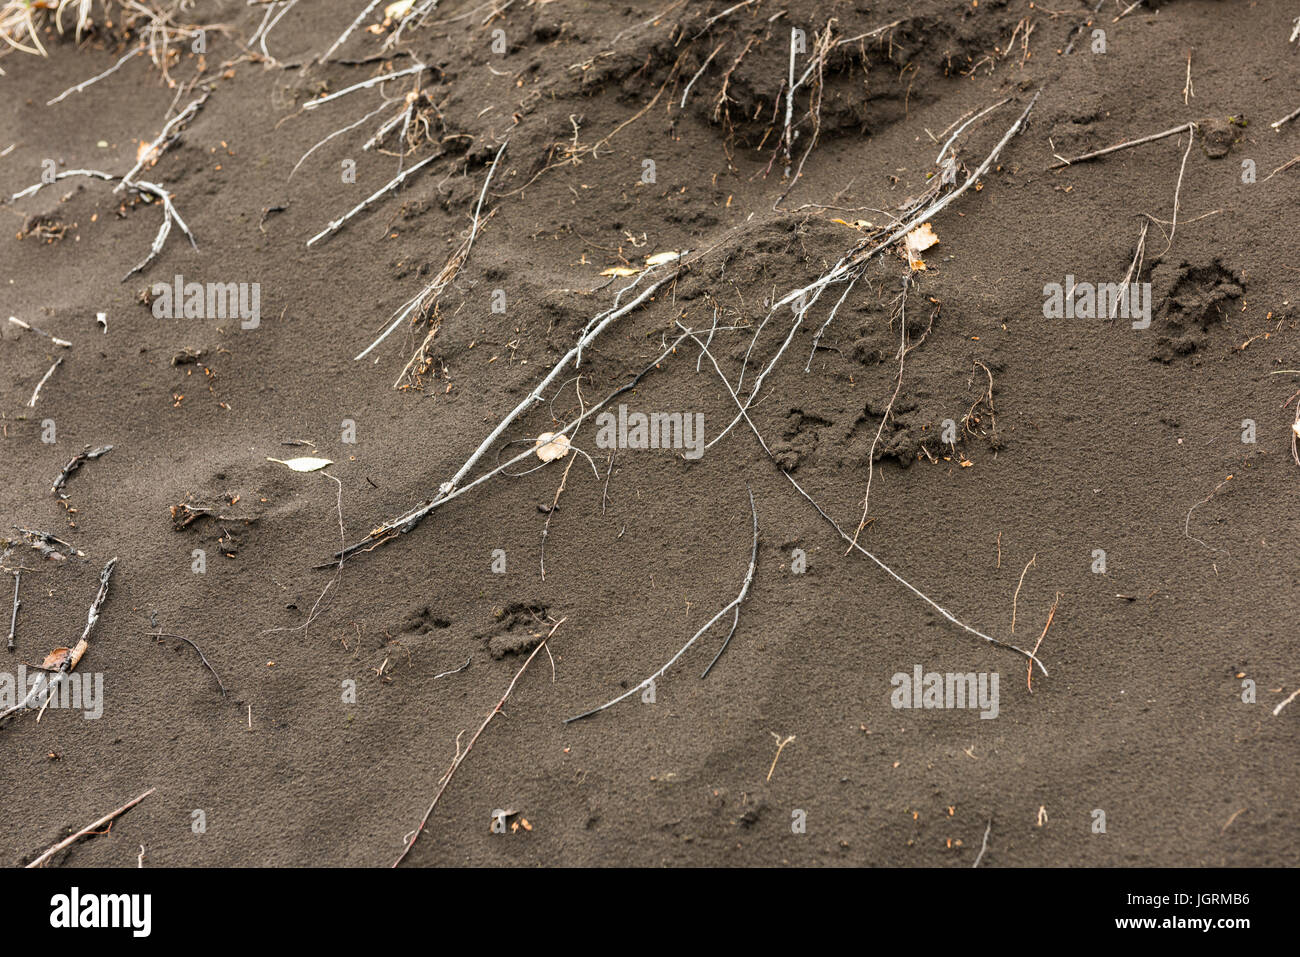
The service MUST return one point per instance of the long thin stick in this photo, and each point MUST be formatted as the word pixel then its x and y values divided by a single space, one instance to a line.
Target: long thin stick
pixel 985 846
pixel 858 255
pixel 85 455
pixel 1286 119
pixel 462 755
pixel 428 297
pixel 943 150
pixel 31 403
pixel 780 746
pixel 550 513
pixel 1173 228
pixel 1029 677
pixel 95 79
pixel 313 104
pixel 348 32
pixel 1278 709
pixel 909 586
pixel 64 174
pixel 718 16
pixel 395 182
pixel 74 656
pixel 350 126
pixel 89 828
pixel 1135 267
pixel 410 520
pixel 202 656
pixel 1127 10
pixel 169 133
pixel 1123 146
pixel 1016 597
pixel 54 339
pixel 170 215
pixel 700 72
pixel 789 97
pixel 734 603
pixel 448 489
pixel 13 621
pixel 903 350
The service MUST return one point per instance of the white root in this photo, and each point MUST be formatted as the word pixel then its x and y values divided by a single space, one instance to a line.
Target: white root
pixel 350 126
pixel 348 32
pixel 395 182
pixel 170 215
pixel 30 328
pixel 169 133
pixel 32 190
pixel 364 84
pixel 452 489
pixel 36 394
pixel 858 256
pixel 95 79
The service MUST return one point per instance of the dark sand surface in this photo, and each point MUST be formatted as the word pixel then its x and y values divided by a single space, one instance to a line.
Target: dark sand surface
pixel 1100 437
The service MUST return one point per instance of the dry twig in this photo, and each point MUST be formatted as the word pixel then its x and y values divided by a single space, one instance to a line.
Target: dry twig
pixel 90 829
pixel 462 755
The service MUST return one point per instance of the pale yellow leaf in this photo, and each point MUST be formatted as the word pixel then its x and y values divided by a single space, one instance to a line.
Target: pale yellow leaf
pixel 305 464
pixel 551 446
pixel 658 259
pixel 916 242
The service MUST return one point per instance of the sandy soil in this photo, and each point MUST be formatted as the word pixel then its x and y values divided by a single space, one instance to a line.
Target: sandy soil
pixel 1096 438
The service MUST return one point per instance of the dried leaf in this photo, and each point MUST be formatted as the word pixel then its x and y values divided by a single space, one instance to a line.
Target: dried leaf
pixel 619 271
pixel 551 446
pixel 305 464
pixel 856 224
pixel 146 154
pixel 916 242
pixel 55 659
pixel 398 9
pixel 658 259
pixel 921 238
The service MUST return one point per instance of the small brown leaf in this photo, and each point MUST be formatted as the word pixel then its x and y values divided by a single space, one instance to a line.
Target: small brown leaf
pixel 55 659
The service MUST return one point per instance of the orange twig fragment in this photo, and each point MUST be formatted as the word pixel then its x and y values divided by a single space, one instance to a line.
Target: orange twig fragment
pixel 1029 678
